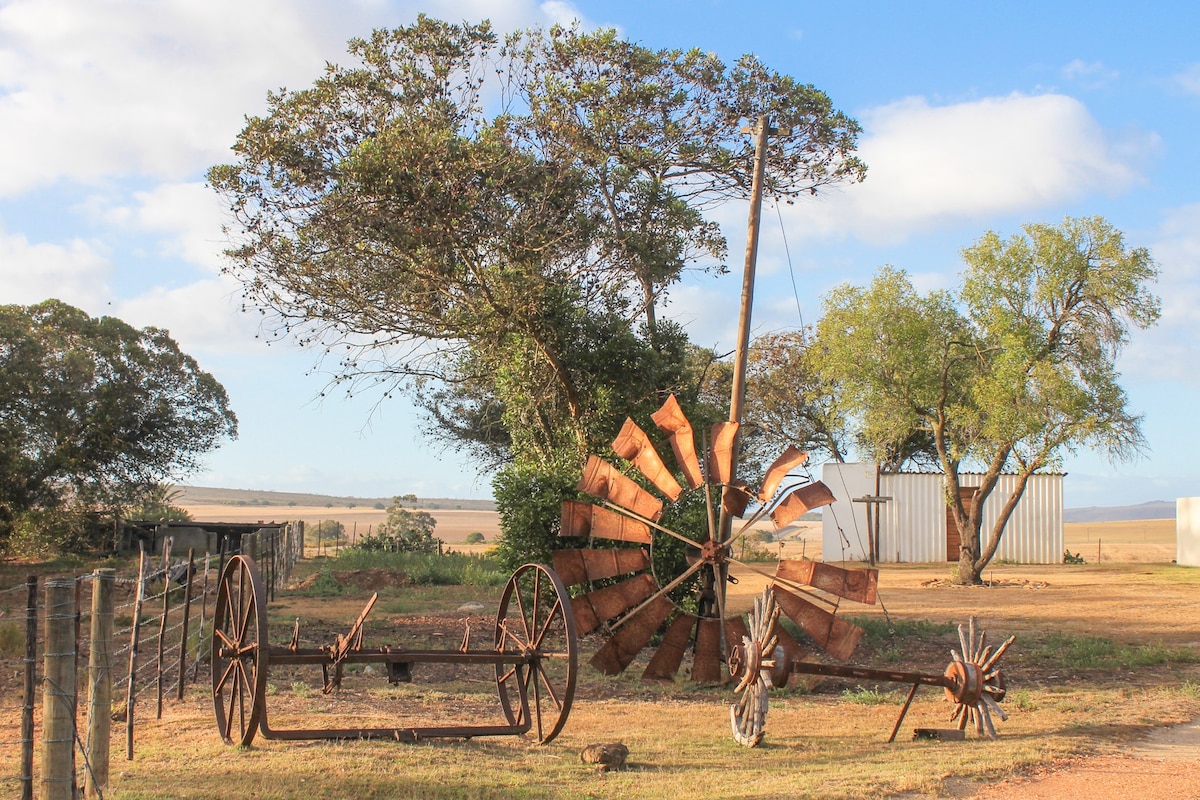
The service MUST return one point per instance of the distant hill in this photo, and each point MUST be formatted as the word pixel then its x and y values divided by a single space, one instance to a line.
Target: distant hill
pixel 205 495
pixel 1155 509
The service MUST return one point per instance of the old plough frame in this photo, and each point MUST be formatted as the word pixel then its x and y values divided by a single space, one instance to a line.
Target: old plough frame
pixel 533 653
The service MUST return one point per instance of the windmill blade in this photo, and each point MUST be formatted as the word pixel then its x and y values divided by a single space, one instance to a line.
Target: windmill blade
pixel 669 655
pixel 735 629
pixel 720 452
pixel 735 498
pixel 634 634
pixel 601 479
pixel 633 444
pixel 584 519
pixel 860 585
pixel 790 459
pixel 706 664
pixel 671 421
pixel 581 566
pixel 832 634
pixel 599 606
pixel 802 499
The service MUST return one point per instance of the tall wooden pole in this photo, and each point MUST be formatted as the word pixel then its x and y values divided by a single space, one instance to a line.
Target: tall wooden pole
pixel 58 692
pixel 100 665
pixel 738 394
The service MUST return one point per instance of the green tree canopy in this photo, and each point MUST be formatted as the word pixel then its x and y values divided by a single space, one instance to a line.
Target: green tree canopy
pixel 95 413
pixel 1008 374
pixel 480 223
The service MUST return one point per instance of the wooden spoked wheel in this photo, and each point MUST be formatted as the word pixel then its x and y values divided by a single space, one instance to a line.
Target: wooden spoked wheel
pixel 534 622
pixel 239 652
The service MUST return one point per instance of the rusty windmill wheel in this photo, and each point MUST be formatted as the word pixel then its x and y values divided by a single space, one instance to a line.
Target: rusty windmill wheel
pixel 621 593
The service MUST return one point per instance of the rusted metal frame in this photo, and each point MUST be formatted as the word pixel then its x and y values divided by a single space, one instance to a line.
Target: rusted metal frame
pixel 286 656
pixel 903 711
pixel 866 673
pixel 804 591
pixel 395 734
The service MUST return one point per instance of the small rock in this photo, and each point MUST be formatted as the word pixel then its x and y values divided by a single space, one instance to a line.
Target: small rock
pixel 605 756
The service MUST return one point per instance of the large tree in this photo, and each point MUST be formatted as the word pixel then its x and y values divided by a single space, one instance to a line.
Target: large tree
pixel 1008 374
pixel 482 223
pixel 97 414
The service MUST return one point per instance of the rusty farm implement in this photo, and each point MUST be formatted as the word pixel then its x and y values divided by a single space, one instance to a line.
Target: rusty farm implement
pixel 533 653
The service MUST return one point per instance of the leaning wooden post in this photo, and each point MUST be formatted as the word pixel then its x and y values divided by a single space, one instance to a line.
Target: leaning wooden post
pixel 100 664
pixel 203 615
pixel 31 583
pixel 58 692
pixel 187 611
pixel 162 624
pixel 131 684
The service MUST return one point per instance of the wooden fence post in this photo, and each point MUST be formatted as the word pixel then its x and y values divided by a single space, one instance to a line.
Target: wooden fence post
pixel 203 616
pixel 31 583
pixel 131 685
pixel 187 611
pixel 100 663
pixel 58 692
pixel 162 623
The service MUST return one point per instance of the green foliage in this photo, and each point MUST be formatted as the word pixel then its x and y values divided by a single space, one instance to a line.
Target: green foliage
pixel 325 585
pixel 493 259
pixel 868 697
pixel 1008 373
pixel 475 537
pixel 1095 652
pixel 1073 558
pixel 882 629
pixel 326 530
pixel 94 414
pixel 12 640
pixel 156 503
pixel 529 503
pixel 404 531
pixel 429 569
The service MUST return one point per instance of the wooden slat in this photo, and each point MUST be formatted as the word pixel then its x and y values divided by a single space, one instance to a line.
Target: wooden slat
pixel 720 452
pixel 670 420
pixel 801 500
pixel 706 666
pixel 594 608
pixel 634 634
pixel 831 633
pixel 633 444
pixel 859 585
pixel 602 479
pixel 664 664
pixel 790 459
pixel 593 564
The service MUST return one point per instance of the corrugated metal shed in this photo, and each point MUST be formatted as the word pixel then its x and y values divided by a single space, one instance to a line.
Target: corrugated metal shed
pixel 913 525
pixel 1187 531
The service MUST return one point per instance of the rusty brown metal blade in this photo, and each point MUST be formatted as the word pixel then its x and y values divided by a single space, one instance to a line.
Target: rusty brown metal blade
pixel 735 629
pixel 580 566
pixel 787 461
pixel 720 452
pixel 624 645
pixel 859 585
pixel 601 605
pixel 602 479
pixel 670 420
pixel 832 634
pixel 584 520
pixel 735 498
pixel 794 652
pixel 669 655
pixel 706 665
pixel 633 444
pixel 802 499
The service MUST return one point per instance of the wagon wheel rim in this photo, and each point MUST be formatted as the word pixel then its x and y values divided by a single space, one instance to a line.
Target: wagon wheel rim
pixel 239 652
pixel 534 621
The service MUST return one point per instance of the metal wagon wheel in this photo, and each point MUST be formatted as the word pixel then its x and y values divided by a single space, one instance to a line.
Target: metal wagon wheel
pixel 620 596
pixel 239 652
pixel 534 621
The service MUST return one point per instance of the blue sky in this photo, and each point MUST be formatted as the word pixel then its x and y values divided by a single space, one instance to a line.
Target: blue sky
pixel 976 117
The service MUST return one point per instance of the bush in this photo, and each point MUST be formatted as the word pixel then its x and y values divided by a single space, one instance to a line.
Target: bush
pixel 529 502
pixel 475 538
pixel 428 569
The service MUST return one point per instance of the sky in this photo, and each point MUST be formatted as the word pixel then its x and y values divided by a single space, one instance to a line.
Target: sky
pixel 976 117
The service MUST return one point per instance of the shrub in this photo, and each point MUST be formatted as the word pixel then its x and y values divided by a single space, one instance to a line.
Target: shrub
pixel 475 537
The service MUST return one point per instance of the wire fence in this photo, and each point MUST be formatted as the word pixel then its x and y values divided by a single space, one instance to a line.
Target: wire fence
pixel 127 642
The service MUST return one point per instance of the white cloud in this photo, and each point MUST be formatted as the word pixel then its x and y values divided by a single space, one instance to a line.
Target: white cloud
pixel 1189 79
pixel 76 272
pixel 1168 350
pixel 186 218
pixel 1092 74
pixel 90 89
pixel 933 166
pixel 203 317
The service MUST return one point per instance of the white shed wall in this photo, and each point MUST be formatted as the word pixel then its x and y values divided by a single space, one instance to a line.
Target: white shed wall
pixel 1187 531
pixel 913 523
